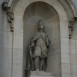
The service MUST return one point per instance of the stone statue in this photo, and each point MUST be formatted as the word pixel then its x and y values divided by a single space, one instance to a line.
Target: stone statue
pixel 38 49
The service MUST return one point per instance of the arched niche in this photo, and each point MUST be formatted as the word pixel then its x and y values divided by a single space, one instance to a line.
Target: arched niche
pixel 19 32
pixel 33 13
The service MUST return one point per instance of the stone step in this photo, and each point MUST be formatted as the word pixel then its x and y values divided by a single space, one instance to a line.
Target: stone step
pixel 40 74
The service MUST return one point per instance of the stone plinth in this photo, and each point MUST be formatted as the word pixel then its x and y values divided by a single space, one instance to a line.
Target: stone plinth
pixel 40 74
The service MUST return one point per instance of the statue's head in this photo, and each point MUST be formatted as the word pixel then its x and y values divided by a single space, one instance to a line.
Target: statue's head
pixel 41 25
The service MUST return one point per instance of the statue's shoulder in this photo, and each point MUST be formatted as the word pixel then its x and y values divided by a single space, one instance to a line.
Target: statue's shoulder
pixel 36 34
pixel 44 33
pixel 40 33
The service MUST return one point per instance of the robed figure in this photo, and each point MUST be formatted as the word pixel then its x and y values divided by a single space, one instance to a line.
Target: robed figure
pixel 38 50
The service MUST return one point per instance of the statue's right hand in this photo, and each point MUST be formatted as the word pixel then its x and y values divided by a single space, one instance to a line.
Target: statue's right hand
pixel 32 44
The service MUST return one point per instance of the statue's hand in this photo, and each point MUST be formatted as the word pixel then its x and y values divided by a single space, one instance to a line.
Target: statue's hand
pixel 32 45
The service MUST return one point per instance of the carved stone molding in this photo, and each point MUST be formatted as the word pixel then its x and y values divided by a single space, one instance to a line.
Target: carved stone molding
pixel 5 6
pixel 71 24
pixel 10 15
pixel 75 18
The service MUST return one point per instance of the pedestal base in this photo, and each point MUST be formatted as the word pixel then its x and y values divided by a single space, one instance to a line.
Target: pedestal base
pixel 40 74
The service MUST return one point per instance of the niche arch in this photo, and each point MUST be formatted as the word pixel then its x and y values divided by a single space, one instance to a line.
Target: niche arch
pixel 33 13
pixel 18 28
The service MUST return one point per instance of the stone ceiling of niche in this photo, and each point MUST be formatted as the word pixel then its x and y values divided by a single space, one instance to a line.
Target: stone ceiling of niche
pixel 42 10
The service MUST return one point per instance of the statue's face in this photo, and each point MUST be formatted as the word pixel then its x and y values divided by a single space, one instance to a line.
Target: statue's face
pixel 41 27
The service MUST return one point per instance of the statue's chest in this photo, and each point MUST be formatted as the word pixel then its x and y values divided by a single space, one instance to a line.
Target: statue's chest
pixel 43 35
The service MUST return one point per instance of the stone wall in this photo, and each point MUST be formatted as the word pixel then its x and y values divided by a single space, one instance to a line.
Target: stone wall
pixel 73 46
pixel 73 51
pixel 11 56
pixel 74 3
pixel 3 43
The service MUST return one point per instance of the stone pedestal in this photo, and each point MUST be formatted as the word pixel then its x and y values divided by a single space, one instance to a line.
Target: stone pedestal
pixel 40 74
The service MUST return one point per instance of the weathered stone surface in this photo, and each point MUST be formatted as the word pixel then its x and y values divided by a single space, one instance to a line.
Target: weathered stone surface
pixel 67 57
pixel 40 74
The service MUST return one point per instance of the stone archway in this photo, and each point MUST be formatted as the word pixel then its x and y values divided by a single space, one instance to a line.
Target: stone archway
pixel 18 35
pixel 33 13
